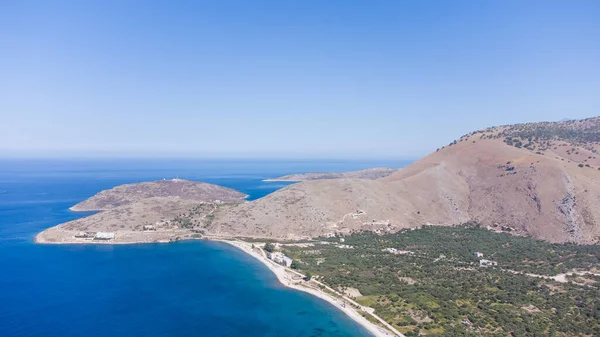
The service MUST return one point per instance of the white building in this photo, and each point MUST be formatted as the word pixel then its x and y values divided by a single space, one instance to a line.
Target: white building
pixel 398 251
pixel 281 259
pixel 104 236
pixel 486 263
pixel 85 235
pixel 478 254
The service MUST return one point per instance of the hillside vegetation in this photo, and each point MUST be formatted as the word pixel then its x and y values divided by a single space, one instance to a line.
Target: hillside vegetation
pixel 429 281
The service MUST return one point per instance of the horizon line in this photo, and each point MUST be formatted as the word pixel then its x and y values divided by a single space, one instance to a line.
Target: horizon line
pixel 224 158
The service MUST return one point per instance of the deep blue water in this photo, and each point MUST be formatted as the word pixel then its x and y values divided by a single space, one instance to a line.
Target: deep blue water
pixel 194 288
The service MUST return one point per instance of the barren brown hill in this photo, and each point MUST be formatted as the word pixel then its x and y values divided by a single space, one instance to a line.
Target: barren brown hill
pixel 372 173
pixel 184 189
pixel 146 212
pixel 127 222
pixel 538 179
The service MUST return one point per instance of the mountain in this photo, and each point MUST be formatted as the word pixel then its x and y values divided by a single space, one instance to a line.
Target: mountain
pixel 536 179
pixel 372 173
pixel 183 189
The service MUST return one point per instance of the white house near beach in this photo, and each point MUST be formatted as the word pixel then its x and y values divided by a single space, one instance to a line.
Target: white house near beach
pixel 281 259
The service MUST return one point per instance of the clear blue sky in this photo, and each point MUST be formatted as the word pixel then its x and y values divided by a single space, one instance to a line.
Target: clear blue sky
pixel 306 79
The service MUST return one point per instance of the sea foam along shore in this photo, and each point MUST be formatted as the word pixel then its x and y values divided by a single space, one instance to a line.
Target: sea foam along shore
pixel 284 277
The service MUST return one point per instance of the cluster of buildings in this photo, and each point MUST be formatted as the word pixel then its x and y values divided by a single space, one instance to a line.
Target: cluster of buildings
pixel 278 257
pixel 101 236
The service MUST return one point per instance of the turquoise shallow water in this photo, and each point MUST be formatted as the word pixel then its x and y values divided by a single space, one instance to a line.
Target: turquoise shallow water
pixel 194 288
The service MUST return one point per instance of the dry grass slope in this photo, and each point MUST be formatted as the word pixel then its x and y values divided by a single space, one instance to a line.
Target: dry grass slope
pixel 538 179
pixel 184 189
pixel 146 212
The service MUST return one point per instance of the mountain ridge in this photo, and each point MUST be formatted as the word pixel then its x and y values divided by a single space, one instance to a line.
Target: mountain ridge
pixel 537 179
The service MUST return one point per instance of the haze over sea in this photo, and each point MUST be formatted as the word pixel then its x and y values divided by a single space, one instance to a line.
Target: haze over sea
pixel 192 288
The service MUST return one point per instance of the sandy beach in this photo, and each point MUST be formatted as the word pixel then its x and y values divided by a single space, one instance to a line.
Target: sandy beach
pixel 294 280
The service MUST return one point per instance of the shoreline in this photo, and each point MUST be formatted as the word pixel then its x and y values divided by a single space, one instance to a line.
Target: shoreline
pixel 58 236
pixel 282 276
pixel 287 277
pixel 282 180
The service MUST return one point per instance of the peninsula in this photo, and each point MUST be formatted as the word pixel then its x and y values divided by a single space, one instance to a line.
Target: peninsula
pixel 145 212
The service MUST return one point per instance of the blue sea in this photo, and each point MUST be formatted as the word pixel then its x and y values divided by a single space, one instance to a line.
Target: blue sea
pixel 192 288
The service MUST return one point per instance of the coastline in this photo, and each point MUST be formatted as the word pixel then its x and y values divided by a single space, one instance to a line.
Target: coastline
pixel 285 279
pixel 58 236
pixel 282 180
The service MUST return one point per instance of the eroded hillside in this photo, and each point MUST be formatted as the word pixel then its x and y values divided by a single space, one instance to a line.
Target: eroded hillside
pixel 538 179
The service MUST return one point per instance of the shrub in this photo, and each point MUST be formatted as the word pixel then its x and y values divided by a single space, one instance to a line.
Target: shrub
pixel 269 247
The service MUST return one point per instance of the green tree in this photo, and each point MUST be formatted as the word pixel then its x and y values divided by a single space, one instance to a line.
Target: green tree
pixel 294 264
pixel 269 247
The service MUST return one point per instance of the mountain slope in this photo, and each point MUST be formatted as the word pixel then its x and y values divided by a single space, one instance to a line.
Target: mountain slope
pixel 538 179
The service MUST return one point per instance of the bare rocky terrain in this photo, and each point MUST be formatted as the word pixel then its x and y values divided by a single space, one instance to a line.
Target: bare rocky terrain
pixel 537 179
pixel 183 189
pixel 145 212
pixel 372 173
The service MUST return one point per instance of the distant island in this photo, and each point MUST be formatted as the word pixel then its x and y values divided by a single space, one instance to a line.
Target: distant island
pixel 372 173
